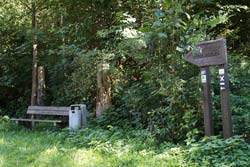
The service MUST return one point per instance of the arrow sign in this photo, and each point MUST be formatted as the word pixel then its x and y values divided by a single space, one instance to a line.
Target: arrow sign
pixel 208 53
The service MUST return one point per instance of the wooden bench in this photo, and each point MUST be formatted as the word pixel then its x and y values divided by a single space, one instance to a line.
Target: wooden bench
pixel 44 111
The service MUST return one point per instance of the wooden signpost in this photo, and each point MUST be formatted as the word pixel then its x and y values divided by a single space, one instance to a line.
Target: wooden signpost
pixel 211 53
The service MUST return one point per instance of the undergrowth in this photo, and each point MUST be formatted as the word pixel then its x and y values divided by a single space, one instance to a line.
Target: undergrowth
pixel 113 147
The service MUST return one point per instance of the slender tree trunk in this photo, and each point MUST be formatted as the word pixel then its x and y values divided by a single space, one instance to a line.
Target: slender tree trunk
pixel 34 56
pixel 34 59
pixel 40 86
pixel 103 99
pixel 61 24
pixel 63 37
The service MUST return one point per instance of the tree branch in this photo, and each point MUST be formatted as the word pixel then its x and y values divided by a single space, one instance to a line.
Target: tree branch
pixel 26 5
pixel 40 6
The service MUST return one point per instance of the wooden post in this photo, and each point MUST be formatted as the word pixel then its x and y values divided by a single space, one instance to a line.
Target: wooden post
pixel 34 59
pixel 34 55
pixel 207 104
pixel 209 53
pixel 40 85
pixel 103 98
pixel 34 76
pixel 225 101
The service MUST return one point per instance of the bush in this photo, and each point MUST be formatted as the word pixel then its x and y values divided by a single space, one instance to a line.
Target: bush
pixel 4 119
pixel 213 151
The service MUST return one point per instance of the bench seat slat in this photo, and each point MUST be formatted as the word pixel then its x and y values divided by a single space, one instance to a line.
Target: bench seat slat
pixel 43 112
pixel 35 120
pixel 49 108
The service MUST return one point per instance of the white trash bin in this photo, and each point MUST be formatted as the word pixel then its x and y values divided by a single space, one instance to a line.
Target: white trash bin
pixel 74 118
pixel 84 113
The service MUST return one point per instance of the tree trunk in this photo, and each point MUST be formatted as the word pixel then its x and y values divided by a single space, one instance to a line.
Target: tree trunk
pixel 34 56
pixel 40 86
pixel 103 99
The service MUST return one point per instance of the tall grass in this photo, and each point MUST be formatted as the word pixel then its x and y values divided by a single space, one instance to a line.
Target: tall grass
pixel 96 147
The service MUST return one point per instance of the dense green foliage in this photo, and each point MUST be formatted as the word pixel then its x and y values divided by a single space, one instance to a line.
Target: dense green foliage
pixel 153 88
pixel 114 147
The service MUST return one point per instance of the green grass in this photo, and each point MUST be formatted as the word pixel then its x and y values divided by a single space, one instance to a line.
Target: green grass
pixel 26 148
pixel 95 147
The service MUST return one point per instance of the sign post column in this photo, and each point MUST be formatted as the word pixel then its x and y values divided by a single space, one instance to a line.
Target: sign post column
pixel 207 104
pixel 225 101
pixel 213 53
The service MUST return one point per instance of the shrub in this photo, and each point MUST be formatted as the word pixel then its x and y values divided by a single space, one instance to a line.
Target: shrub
pixel 214 151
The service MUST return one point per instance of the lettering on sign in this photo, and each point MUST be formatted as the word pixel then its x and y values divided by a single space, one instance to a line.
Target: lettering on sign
pixel 222 79
pixel 208 53
pixel 221 71
pixel 211 54
pixel 203 76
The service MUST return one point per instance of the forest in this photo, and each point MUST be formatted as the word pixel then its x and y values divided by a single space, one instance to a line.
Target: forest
pixel 135 48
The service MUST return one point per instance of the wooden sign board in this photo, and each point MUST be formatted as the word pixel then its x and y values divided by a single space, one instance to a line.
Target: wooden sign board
pixel 208 53
pixel 211 53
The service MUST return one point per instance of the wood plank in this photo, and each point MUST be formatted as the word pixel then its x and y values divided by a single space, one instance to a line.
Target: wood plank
pixel 35 120
pixel 55 108
pixel 206 61
pixel 210 53
pixel 48 112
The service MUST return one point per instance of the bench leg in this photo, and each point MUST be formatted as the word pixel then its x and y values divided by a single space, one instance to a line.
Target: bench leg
pixel 54 124
pixel 17 122
pixel 32 123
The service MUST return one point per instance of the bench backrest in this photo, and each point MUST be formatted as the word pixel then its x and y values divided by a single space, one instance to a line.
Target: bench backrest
pixel 48 110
